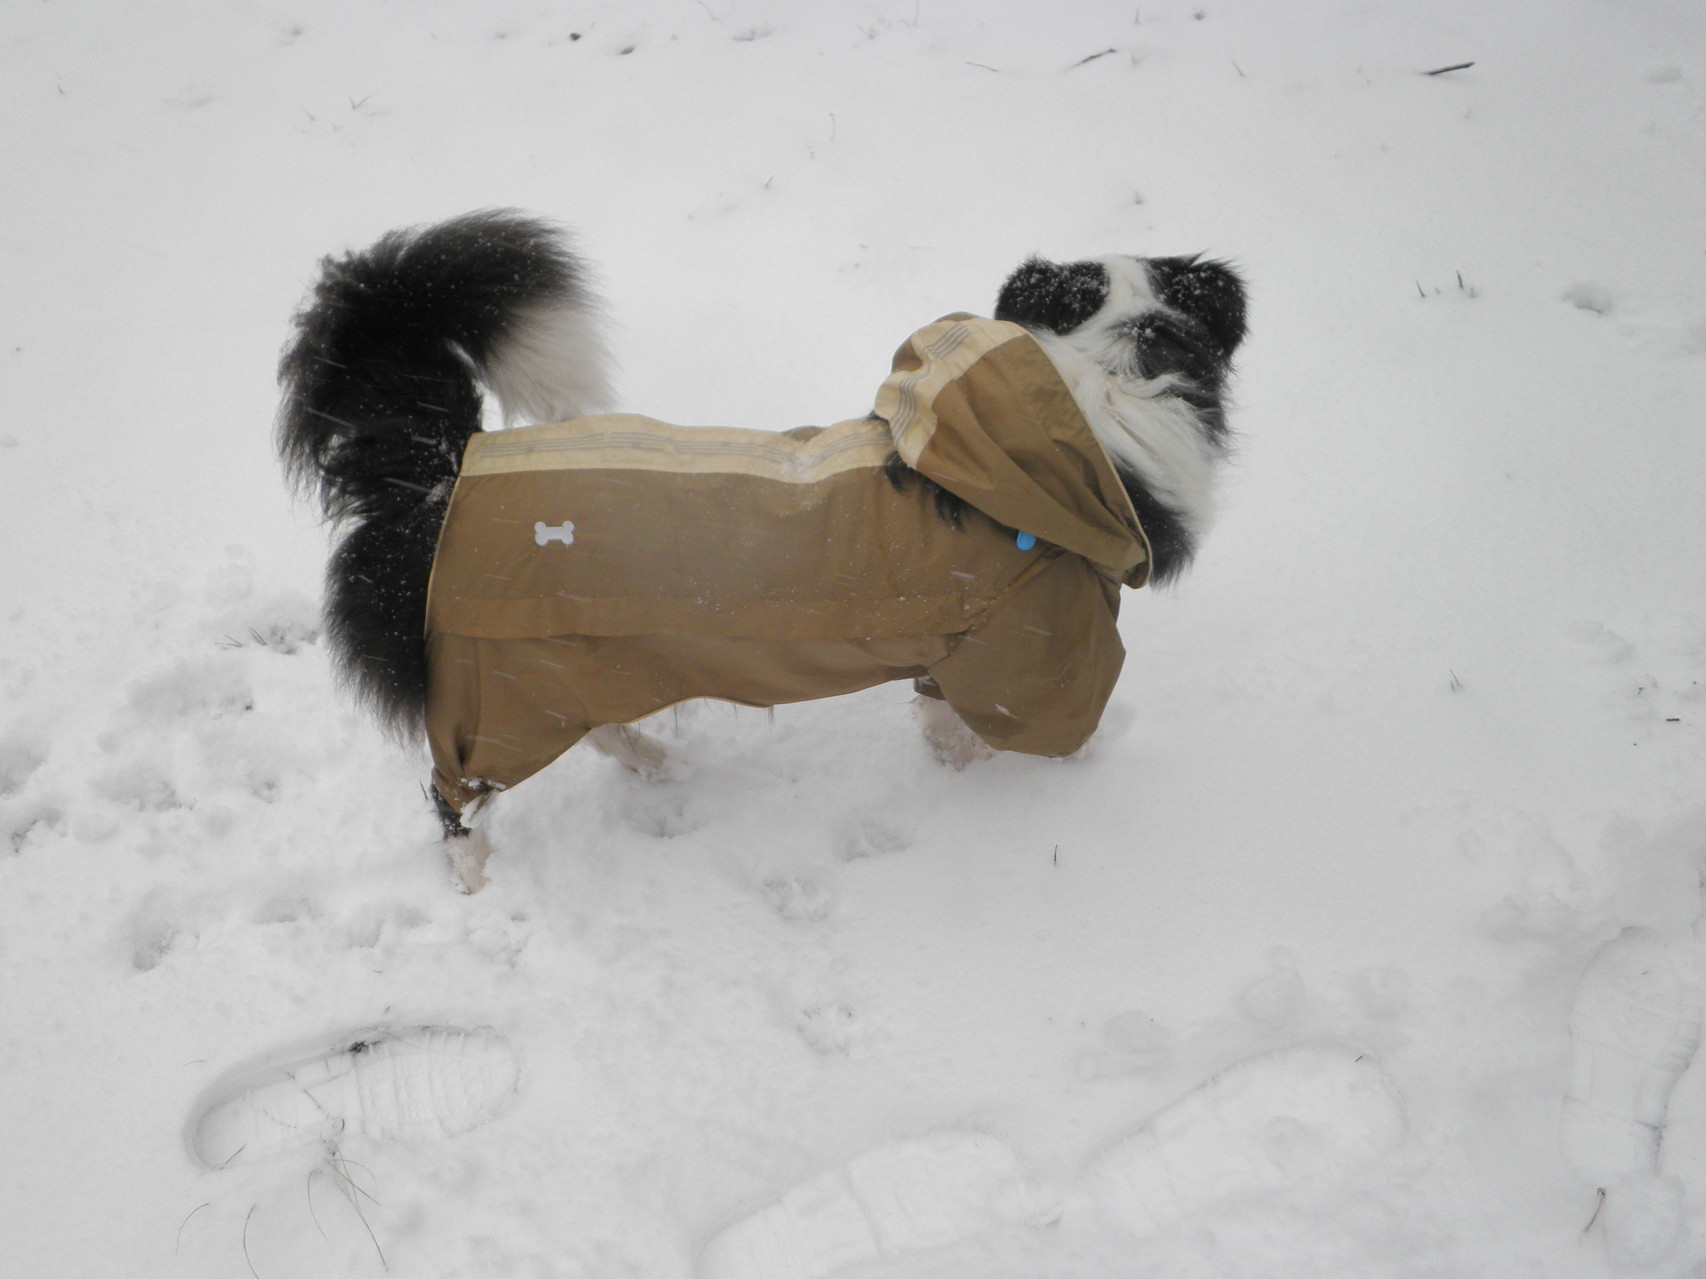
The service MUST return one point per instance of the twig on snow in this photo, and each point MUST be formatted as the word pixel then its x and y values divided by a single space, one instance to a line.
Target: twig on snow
pixel 350 1190
pixel 185 1222
pixel 246 1259
pixel 1597 1209
pixel 1104 53
pixel 1456 66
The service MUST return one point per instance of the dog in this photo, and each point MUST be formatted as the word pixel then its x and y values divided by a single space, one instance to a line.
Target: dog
pixel 506 593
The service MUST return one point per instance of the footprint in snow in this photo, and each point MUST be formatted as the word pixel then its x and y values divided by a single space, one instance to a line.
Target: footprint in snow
pixel 866 837
pixel 798 898
pixel 1634 1028
pixel 20 757
pixel 1599 643
pixel 903 1198
pixel 1585 295
pixel 27 819
pixel 1276 998
pixel 1301 1120
pixel 662 810
pixel 193 690
pixel 1132 1043
pixel 834 1030
pixel 405 1083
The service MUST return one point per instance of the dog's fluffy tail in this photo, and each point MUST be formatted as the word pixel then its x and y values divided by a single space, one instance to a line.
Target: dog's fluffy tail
pixel 381 392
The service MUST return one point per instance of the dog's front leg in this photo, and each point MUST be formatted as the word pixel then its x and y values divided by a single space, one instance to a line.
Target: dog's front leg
pixel 468 849
pixel 953 743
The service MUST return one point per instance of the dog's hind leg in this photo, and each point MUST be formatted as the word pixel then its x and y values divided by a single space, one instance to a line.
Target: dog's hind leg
pixel 636 751
pixel 468 848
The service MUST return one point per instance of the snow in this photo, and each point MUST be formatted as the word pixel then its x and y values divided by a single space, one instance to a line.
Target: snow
pixel 1419 737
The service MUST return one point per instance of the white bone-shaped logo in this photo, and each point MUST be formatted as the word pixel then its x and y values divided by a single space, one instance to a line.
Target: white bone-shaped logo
pixel 544 533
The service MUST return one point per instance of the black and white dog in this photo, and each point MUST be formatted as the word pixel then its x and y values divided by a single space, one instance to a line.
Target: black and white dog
pixel 382 391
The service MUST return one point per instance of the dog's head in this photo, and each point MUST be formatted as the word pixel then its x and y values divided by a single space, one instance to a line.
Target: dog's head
pixel 1144 318
pixel 1146 346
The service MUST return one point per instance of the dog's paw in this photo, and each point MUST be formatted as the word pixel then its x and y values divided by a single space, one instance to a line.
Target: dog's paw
pixel 468 856
pixel 950 740
pixel 636 751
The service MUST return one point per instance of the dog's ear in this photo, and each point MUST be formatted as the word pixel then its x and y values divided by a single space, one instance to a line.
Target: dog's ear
pixel 1209 292
pixel 1054 296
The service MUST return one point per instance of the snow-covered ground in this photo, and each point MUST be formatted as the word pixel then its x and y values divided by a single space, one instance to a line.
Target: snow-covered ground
pixel 1419 738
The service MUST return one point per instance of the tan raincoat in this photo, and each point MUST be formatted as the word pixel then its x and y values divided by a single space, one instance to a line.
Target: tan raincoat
pixel 597 571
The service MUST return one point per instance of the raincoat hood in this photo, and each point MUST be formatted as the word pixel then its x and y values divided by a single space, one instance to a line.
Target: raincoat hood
pixel 977 406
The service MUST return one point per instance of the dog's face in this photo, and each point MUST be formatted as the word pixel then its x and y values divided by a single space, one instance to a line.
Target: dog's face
pixel 1139 317
pixel 1146 345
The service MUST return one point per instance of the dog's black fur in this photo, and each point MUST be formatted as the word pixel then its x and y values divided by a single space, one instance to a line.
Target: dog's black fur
pixel 382 391
pixel 380 397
